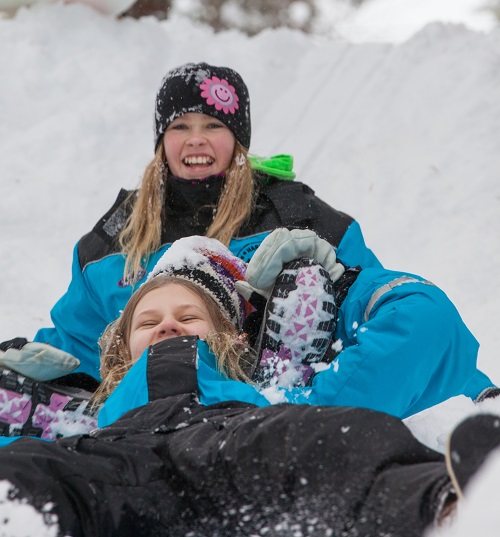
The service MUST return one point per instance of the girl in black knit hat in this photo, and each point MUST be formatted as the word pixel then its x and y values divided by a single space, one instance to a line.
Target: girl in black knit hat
pixel 201 181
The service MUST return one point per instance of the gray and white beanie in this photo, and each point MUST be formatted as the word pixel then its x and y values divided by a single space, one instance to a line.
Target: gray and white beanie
pixel 205 89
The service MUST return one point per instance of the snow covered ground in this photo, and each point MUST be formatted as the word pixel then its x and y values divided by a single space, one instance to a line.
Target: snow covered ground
pixel 405 137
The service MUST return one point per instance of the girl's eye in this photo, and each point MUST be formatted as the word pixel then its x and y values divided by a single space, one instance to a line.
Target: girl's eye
pixel 215 126
pixel 147 324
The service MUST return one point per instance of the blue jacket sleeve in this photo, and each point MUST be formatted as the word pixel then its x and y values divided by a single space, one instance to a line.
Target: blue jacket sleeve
pixel 78 322
pixel 352 250
pixel 405 348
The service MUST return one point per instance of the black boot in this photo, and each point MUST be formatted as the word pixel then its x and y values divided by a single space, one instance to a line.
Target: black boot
pixel 469 445
pixel 298 325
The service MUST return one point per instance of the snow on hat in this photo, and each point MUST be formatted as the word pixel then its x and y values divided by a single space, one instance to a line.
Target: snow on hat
pixel 209 264
pixel 205 89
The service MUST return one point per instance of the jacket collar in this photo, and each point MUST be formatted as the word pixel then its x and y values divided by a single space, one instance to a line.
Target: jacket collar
pixel 188 196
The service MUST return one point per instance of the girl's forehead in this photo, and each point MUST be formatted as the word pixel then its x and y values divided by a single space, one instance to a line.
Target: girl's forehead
pixel 168 293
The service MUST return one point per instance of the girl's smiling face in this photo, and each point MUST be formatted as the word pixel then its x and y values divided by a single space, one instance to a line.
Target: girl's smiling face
pixel 198 145
pixel 166 312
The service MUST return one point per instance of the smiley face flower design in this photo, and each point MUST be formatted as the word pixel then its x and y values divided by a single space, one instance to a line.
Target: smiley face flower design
pixel 219 93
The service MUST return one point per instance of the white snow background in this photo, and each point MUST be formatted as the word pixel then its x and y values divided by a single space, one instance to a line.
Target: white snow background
pixel 405 137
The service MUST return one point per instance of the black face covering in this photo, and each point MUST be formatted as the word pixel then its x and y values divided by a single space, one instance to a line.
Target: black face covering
pixel 191 203
pixel 189 195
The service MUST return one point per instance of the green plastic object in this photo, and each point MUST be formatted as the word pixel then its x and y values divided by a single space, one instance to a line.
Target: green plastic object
pixel 280 166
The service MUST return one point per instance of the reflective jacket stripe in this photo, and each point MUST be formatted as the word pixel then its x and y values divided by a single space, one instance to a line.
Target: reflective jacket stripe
pixel 381 291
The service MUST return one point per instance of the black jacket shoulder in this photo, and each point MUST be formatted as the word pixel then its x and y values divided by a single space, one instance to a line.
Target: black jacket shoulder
pixel 294 204
pixel 102 240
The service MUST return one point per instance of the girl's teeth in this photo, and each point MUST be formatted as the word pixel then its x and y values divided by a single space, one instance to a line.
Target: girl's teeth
pixel 198 160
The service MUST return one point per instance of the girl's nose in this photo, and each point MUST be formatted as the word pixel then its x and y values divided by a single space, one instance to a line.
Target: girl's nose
pixel 168 328
pixel 196 138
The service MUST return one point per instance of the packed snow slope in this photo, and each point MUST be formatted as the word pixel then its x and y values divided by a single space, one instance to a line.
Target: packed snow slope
pixel 403 137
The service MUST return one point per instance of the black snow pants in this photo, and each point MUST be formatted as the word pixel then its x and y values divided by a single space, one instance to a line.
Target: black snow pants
pixel 231 470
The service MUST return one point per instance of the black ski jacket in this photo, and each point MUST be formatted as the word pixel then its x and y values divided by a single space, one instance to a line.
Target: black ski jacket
pixel 173 467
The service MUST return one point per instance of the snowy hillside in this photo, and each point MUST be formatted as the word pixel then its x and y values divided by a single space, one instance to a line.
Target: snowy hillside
pixel 404 137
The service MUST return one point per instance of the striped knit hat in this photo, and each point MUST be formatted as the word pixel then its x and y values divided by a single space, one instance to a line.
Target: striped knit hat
pixel 209 264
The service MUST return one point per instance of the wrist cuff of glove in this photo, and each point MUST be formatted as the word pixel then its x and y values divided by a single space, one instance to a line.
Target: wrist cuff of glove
pixel 16 343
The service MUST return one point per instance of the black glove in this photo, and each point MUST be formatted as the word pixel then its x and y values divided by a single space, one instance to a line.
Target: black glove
pixel 16 343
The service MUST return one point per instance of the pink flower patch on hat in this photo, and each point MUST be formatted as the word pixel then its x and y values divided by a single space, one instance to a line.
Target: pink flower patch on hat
pixel 220 93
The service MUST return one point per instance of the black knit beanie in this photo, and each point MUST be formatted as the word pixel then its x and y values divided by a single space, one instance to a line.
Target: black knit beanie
pixel 205 89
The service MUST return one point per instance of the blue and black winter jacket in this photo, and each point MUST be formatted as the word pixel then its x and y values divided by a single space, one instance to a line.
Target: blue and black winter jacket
pixel 98 293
